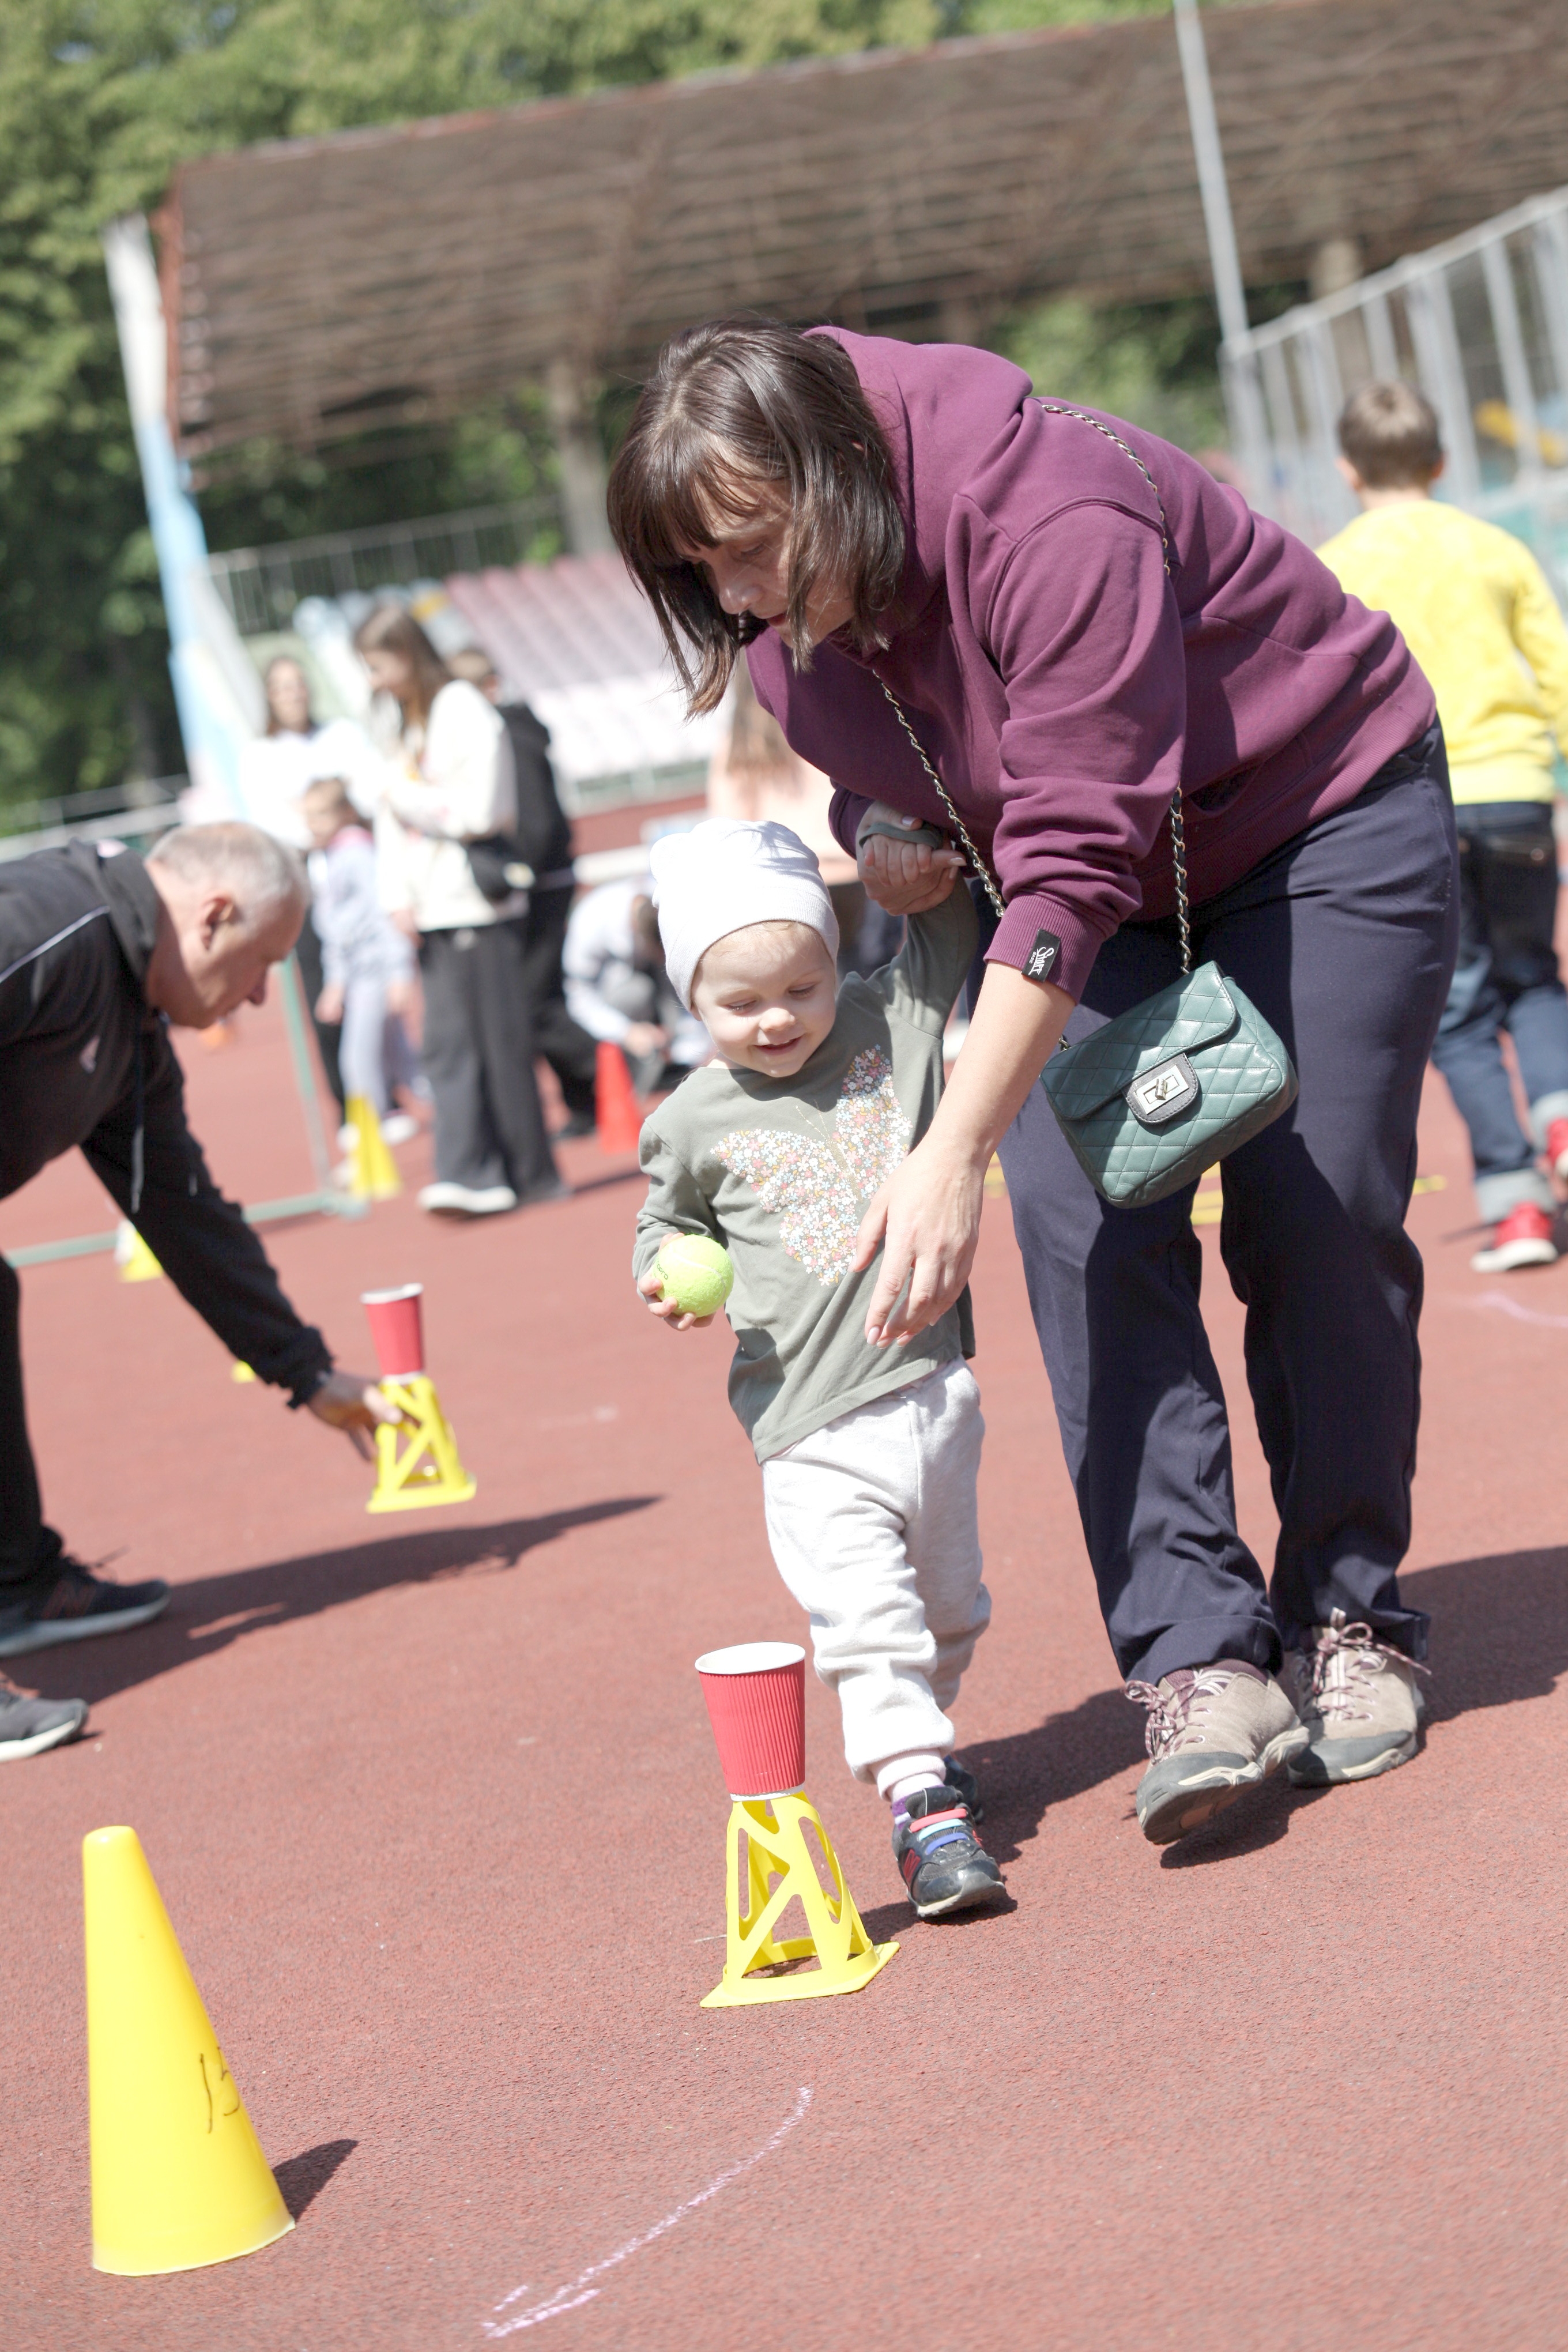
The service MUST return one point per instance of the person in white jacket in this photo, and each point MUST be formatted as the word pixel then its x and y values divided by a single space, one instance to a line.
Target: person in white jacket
pixel 450 785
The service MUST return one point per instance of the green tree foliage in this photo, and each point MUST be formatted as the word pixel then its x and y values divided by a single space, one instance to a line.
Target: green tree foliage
pixel 100 101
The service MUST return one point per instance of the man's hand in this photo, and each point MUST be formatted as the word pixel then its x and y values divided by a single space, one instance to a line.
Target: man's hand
pixel 652 1288
pixel 330 1004
pixel 347 1401
pixel 904 877
pixel 403 921
pixel 645 1037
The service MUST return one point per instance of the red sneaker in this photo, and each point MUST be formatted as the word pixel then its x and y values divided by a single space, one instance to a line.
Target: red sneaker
pixel 1557 1148
pixel 1521 1238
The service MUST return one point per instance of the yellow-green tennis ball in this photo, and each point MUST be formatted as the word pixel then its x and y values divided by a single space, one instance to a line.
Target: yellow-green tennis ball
pixel 696 1273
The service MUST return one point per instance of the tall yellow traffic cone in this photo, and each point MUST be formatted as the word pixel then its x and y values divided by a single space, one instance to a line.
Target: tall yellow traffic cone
pixel 374 1170
pixel 178 2175
pixel 132 1256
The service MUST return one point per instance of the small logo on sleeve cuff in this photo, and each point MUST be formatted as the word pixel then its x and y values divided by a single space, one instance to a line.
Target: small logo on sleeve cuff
pixel 1041 961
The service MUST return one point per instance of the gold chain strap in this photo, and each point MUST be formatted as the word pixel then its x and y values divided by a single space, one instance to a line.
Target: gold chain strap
pixel 1178 831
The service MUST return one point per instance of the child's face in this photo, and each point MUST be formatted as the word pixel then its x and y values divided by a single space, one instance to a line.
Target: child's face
pixel 324 824
pixel 767 996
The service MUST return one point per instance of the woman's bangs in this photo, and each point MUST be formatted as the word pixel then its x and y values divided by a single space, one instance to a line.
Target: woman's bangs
pixel 693 486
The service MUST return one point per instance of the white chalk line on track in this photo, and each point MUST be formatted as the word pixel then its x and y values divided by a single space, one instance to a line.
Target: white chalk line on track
pixel 580 2291
pixel 1502 1305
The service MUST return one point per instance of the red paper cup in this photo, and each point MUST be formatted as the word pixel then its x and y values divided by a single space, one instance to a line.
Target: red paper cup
pixel 395 1329
pixel 756 1702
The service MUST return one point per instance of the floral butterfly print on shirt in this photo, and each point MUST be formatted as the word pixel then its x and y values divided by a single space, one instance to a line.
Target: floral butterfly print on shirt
pixel 818 1195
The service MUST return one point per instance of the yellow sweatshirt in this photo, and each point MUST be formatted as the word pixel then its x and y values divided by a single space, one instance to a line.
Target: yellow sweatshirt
pixel 1473 605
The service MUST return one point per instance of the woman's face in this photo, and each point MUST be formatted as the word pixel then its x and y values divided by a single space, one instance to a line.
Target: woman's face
pixel 389 672
pixel 288 696
pixel 748 568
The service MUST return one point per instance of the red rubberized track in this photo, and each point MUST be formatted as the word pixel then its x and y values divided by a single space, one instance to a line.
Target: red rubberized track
pixel 434 1805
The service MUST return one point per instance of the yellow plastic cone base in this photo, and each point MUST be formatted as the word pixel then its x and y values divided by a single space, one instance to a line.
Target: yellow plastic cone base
pixel 132 1256
pixel 375 1175
pixel 779 1866
pixel 178 2176
pixel 419 1465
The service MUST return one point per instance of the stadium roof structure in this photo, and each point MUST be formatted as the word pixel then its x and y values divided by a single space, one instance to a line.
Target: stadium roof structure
pixel 315 289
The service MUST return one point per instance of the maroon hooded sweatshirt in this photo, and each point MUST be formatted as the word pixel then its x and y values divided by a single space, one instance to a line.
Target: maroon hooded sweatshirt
pixel 1061 682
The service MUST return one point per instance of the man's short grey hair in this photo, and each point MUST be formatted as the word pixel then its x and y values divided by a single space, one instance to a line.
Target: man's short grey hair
pixel 264 874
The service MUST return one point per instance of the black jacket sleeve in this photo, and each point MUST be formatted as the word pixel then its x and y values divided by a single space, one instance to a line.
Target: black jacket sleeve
pixel 201 1240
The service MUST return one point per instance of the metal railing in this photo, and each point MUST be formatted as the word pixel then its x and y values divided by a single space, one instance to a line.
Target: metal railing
pixel 1480 324
pixel 261 585
pixel 127 811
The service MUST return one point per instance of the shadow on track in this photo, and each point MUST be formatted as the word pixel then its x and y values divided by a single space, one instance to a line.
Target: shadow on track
pixel 1500 1635
pixel 301 2178
pixel 206 1615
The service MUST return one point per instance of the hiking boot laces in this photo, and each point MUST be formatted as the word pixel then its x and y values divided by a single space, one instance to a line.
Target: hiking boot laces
pixel 1346 1661
pixel 1179 1712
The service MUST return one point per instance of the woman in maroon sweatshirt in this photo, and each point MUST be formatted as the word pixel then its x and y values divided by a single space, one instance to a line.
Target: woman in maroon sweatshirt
pixel 1072 616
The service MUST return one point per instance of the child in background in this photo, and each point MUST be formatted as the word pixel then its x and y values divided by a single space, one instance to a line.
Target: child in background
pixel 869 1455
pixel 1473 606
pixel 366 963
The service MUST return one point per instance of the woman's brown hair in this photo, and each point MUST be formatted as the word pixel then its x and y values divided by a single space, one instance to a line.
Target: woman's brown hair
pixel 739 406
pixel 389 629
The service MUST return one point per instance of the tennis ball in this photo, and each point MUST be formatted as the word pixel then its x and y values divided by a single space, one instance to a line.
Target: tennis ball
pixel 696 1273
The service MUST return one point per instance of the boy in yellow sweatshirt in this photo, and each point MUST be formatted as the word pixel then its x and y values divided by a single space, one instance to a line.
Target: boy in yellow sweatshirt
pixel 1473 606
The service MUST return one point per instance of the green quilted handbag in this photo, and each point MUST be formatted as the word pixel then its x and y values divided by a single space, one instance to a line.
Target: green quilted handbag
pixel 1164 1091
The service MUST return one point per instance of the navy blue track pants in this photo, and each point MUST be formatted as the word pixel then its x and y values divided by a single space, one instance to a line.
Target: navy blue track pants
pixel 1344 940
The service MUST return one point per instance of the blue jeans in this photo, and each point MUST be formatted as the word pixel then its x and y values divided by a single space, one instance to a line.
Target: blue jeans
pixel 1344 940
pixel 1506 978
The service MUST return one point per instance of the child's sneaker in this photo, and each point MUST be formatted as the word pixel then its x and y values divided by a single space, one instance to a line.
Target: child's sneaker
pixel 961 1781
pixel 1521 1238
pixel 942 1863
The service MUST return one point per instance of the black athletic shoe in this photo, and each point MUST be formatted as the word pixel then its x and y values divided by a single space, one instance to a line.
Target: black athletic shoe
pixel 942 1863
pixel 77 1606
pixel 963 1780
pixel 28 1726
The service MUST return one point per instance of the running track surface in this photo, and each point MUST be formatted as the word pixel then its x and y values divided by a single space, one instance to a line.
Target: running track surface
pixel 434 1805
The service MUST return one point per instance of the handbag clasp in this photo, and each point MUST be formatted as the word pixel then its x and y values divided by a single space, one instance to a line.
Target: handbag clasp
pixel 1162 1094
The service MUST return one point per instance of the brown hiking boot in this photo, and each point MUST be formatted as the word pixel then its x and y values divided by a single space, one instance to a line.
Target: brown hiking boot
pixel 1359 1700
pixel 1213 1731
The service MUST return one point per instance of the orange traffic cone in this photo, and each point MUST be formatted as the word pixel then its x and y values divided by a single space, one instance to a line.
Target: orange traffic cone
pixel 616 1112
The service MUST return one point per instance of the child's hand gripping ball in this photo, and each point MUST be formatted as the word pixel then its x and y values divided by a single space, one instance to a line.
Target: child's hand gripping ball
pixel 696 1274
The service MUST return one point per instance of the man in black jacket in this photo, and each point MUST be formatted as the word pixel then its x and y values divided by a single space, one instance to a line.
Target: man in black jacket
pixel 99 952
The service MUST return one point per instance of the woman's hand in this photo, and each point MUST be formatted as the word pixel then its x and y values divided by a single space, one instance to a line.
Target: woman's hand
pixel 928 1216
pixel 904 877
pixel 928 1210
pixel 652 1288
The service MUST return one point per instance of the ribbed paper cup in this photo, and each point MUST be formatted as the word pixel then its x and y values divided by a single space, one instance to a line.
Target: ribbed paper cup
pixel 396 1331
pixel 756 1704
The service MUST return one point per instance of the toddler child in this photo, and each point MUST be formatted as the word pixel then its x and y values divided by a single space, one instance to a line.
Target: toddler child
pixel 366 963
pixel 869 1456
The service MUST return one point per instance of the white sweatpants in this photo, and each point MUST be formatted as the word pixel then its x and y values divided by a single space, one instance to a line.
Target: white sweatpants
pixel 873 1525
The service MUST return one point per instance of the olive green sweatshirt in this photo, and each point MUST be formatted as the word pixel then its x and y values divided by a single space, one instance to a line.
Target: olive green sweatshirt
pixel 781 1170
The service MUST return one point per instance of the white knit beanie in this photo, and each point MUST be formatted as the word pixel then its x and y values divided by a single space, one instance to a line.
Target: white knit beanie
pixel 724 875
